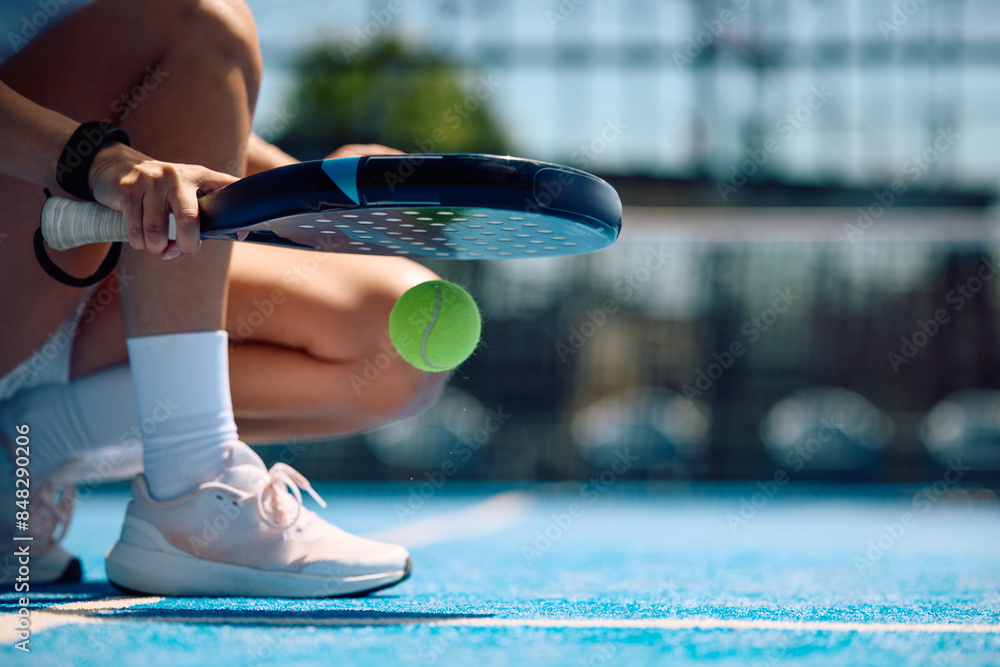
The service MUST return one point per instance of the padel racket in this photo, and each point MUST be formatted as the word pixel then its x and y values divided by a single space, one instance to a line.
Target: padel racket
pixel 474 207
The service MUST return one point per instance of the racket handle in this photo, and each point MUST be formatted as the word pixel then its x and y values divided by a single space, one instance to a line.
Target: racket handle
pixel 67 223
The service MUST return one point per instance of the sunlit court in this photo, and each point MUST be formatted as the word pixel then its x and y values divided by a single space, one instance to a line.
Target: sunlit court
pixel 759 424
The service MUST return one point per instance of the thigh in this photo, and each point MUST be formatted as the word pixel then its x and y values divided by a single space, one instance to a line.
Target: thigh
pixel 330 305
pixel 87 65
pixel 333 307
pixel 80 67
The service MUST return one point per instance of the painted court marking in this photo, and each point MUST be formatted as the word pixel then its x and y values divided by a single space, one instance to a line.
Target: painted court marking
pixel 493 515
pixel 92 612
pixel 488 517
pixel 71 613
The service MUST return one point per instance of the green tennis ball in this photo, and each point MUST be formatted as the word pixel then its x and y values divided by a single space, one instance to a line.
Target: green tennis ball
pixel 435 326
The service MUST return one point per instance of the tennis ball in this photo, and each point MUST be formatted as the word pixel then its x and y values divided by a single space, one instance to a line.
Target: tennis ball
pixel 435 326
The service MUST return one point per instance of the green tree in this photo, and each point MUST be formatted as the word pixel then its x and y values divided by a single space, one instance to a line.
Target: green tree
pixel 388 94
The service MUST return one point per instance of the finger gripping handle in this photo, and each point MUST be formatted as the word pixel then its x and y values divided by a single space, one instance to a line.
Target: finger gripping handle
pixel 67 223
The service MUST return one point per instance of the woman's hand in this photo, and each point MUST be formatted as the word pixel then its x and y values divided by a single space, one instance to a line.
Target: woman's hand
pixel 361 150
pixel 147 190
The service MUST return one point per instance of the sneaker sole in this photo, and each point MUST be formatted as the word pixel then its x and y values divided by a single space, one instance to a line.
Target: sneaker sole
pixel 48 574
pixel 172 572
pixel 72 574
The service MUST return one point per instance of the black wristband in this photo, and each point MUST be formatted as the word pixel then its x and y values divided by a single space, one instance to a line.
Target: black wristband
pixel 73 168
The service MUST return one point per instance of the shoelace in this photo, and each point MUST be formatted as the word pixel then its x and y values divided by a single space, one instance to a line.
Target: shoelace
pixel 273 495
pixel 53 508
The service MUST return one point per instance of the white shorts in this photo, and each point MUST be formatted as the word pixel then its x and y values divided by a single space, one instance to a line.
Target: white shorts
pixel 49 364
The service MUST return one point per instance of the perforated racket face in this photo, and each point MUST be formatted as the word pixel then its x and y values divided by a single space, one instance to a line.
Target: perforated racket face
pixel 436 232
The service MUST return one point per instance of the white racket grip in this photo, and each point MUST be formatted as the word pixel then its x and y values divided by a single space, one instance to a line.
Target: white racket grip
pixel 68 223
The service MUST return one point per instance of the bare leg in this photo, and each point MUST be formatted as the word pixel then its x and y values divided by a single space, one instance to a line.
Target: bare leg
pixel 292 376
pixel 197 96
pixel 202 115
pixel 307 329
pixel 323 363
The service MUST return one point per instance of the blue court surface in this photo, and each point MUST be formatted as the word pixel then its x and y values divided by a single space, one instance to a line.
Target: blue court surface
pixel 594 574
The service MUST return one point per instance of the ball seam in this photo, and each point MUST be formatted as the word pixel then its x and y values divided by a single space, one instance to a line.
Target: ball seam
pixel 430 325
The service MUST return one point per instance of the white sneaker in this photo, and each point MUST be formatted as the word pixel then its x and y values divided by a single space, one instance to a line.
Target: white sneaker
pixel 246 535
pixel 50 508
pixel 51 566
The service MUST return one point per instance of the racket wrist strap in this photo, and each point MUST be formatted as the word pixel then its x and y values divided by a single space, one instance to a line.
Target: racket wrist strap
pixel 73 168
pixel 102 272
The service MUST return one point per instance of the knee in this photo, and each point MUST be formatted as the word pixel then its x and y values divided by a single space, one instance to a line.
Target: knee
pixel 392 388
pixel 400 392
pixel 221 32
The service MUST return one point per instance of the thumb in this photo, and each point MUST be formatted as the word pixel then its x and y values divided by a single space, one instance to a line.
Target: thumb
pixel 210 181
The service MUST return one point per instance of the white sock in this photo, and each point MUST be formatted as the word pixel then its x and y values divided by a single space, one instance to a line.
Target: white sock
pixel 70 422
pixel 185 407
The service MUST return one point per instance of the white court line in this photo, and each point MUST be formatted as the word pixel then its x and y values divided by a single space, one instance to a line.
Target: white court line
pixel 77 613
pixel 63 614
pixel 722 624
pixel 488 517
pixel 493 515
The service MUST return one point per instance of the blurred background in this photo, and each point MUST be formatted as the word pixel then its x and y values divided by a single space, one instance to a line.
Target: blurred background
pixel 804 285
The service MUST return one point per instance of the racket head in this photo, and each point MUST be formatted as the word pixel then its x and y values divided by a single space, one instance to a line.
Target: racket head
pixel 429 206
